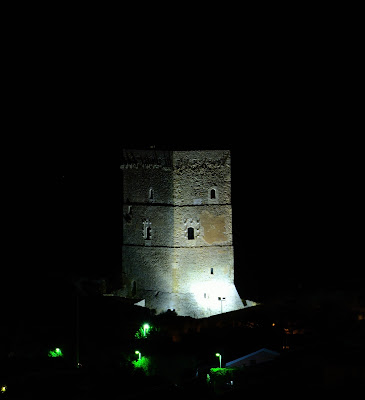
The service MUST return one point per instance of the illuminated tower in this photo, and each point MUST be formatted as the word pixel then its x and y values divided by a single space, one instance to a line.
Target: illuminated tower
pixel 177 231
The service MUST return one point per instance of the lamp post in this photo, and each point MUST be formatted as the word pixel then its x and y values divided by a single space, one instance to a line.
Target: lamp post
pixel 57 352
pixel 139 354
pixel 78 365
pixel 221 299
pixel 220 359
pixel 146 327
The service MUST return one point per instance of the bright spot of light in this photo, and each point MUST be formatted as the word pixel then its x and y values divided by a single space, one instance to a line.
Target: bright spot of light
pixel 209 295
pixel 57 352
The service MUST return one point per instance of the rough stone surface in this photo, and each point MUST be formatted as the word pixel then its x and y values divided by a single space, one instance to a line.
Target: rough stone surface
pixel 177 231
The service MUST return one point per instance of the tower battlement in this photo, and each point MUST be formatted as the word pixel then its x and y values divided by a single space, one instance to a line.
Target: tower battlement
pixel 146 159
pixel 177 231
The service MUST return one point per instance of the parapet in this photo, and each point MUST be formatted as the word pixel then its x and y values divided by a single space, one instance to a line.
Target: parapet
pixel 177 160
pixel 146 159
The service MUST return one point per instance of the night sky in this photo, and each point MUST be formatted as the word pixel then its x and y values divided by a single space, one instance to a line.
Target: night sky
pixel 292 218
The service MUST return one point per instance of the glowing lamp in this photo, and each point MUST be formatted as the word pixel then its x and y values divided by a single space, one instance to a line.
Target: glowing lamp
pixel 146 328
pixel 57 352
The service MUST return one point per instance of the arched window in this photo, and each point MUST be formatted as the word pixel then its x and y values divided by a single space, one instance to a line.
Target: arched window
pixel 190 233
pixel 213 194
pixel 148 233
pixel 150 196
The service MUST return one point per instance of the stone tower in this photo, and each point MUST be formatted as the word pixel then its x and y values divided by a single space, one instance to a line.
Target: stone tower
pixel 177 231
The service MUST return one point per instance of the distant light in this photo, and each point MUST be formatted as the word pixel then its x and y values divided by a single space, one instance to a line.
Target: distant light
pixel 146 328
pixel 139 354
pixel 57 352
pixel 3 388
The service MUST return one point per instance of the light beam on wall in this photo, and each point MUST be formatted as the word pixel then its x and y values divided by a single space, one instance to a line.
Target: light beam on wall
pixel 209 295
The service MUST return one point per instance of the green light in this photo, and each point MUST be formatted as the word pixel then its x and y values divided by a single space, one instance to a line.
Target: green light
pixel 139 354
pixel 144 364
pixel 3 388
pixel 220 359
pixel 57 352
pixel 146 328
pixel 143 331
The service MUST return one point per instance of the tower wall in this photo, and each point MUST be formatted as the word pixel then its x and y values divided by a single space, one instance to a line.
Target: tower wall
pixel 196 173
pixel 138 218
pixel 177 231
pixel 212 226
pixel 199 267
pixel 150 269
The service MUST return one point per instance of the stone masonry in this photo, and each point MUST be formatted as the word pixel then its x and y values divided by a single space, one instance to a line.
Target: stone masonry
pixel 177 231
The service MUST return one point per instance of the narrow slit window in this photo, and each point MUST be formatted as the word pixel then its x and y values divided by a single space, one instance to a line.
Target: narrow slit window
pixel 150 196
pixel 191 233
pixel 212 194
pixel 211 271
pixel 147 230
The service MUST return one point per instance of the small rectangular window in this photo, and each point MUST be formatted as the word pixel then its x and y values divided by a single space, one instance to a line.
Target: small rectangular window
pixel 211 271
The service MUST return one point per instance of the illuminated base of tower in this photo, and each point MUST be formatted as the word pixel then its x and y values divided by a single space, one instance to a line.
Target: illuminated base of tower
pixel 204 300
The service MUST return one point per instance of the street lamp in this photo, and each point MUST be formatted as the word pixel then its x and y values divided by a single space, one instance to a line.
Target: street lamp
pixel 146 327
pixel 57 352
pixel 220 359
pixel 139 354
pixel 221 299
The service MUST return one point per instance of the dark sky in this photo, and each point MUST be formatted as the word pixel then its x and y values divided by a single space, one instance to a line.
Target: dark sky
pixel 291 200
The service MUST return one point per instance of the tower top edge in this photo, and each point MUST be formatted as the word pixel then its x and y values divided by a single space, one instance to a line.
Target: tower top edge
pixel 151 158
pixel 172 159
